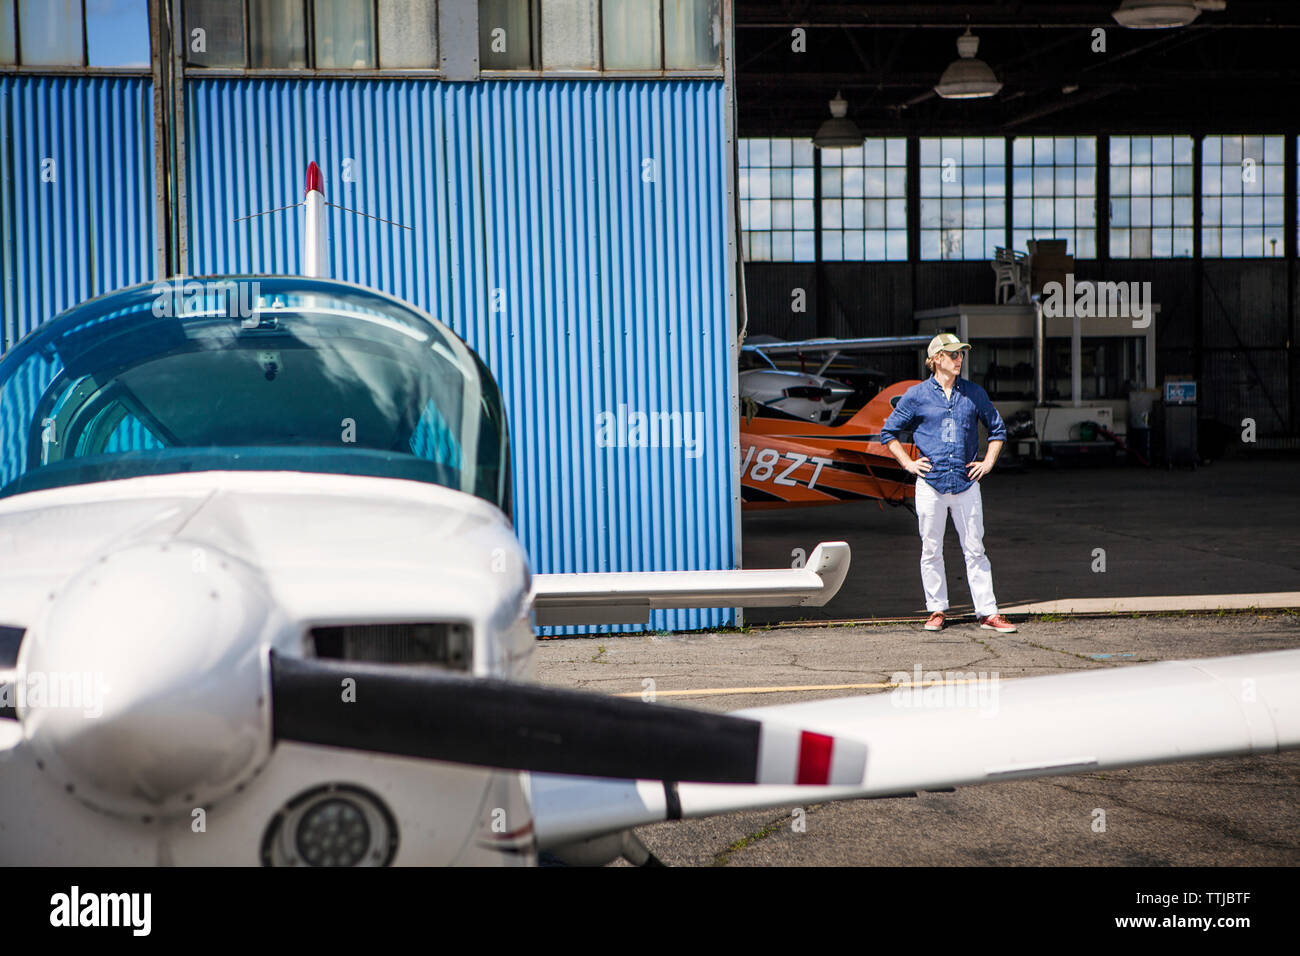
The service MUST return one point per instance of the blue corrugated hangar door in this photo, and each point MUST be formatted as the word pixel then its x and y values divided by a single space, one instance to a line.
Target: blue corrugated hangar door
pixel 574 232
pixel 76 193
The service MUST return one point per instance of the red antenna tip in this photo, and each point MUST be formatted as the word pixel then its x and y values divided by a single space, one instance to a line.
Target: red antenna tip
pixel 314 179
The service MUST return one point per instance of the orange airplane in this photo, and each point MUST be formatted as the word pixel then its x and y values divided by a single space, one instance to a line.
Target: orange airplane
pixel 789 462
pixel 785 463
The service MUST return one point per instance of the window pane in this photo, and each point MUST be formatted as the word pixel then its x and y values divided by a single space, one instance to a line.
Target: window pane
pixel 1160 174
pixel 1060 177
pixel 631 34
pixel 774 225
pixel 504 38
pixel 876 171
pixel 831 213
pixel 345 35
pixel 49 32
pixel 569 34
pixel 8 47
pixel 832 245
pixel 896 244
pixel 408 34
pixel 1240 211
pixel 970 175
pixel 222 39
pixel 692 34
pixel 117 32
pixel 277 36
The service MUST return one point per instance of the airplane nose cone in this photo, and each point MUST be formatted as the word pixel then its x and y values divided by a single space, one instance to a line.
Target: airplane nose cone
pixel 146 683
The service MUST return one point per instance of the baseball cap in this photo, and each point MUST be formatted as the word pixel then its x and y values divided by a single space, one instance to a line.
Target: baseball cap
pixel 945 342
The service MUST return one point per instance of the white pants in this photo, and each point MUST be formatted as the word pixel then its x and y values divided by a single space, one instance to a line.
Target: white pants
pixel 967 509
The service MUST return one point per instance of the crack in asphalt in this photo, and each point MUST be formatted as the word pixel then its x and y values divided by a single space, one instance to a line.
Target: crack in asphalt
pixel 1221 826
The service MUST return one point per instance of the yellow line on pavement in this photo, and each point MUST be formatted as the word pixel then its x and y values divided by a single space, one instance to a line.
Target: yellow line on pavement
pixel 798 688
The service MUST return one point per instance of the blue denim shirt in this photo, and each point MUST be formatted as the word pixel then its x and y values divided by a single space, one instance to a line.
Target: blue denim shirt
pixel 944 429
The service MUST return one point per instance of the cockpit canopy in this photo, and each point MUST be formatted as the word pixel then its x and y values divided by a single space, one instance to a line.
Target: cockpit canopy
pixel 253 374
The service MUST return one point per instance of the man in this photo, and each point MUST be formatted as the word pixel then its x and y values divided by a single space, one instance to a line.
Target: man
pixel 943 413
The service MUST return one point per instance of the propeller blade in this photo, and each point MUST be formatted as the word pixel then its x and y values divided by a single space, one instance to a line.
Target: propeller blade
pixel 522 726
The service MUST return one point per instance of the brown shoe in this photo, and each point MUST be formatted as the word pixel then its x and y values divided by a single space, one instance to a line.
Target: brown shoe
pixel 996 622
pixel 934 622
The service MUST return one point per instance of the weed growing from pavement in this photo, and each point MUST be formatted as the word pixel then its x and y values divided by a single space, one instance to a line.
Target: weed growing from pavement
pixel 723 858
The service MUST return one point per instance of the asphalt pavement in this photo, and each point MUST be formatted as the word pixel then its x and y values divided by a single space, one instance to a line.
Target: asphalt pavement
pixel 1231 527
pixel 1232 811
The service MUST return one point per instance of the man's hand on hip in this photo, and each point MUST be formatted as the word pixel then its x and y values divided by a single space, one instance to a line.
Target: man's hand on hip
pixel 978 469
pixel 918 467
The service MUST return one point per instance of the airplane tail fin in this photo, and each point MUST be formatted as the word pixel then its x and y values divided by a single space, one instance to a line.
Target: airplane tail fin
pixel 315 252
pixel 870 418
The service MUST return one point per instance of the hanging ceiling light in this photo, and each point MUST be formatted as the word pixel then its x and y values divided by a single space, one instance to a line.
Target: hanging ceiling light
pixel 838 132
pixel 967 78
pixel 1156 14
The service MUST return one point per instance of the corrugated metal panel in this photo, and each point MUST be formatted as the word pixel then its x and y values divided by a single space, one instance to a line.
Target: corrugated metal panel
pixel 867 298
pixel 770 298
pixel 1245 303
pixel 940 284
pixel 76 193
pixel 611 273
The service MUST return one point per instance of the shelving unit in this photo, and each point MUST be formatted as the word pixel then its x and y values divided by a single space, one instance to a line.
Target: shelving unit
pixel 1114 358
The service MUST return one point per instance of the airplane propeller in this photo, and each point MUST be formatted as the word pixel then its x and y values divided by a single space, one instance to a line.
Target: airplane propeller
pixel 511 725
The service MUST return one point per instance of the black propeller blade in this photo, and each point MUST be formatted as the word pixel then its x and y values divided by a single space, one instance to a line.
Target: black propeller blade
pixel 506 724
pixel 10 640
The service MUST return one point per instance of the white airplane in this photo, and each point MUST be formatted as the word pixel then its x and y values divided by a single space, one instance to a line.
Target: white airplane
pixel 261 602
pixel 807 396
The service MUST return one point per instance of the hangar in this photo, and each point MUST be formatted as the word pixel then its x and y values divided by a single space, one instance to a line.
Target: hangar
pixel 605 198
pixel 609 200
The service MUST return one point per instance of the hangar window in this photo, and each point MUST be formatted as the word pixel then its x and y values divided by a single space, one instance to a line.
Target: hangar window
pixel 215 31
pixel 408 34
pixel 523 35
pixel 50 34
pixel 864 201
pixel 117 32
pixel 1054 192
pixel 777 219
pixel 345 34
pixel 660 34
pixel 631 34
pixel 570 35
pixel 692 34
pixel 1241 196
pixel 505 36
pixel 963 197
pixel 8 36
pixel 276 34
pixel 1151 190
pixel 62 33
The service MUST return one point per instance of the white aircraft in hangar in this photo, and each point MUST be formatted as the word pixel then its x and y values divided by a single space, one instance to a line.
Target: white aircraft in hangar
pixel 262 603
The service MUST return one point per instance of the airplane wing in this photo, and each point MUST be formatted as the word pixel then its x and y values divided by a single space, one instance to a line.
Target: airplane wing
pixel 1032 727
pixel 811 346
pixel 628 597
